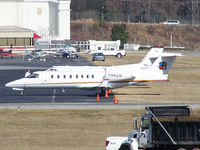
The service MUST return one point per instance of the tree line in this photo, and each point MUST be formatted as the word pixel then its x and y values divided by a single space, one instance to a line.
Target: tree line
pixel 144 11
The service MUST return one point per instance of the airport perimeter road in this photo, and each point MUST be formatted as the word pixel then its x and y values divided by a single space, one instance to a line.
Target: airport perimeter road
pixel 87 105
pixel 12 69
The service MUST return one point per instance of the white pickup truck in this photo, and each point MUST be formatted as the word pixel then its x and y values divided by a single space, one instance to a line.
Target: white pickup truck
pixel 117 53
pixel 115 142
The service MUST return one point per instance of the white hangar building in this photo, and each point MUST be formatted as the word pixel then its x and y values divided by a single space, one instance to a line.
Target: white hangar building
pixel 45 17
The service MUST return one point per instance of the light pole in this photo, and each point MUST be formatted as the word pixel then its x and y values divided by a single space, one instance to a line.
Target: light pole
pixel 171 40
pixel 102 17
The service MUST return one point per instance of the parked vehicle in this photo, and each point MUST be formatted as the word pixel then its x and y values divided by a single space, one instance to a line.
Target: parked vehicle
pixel 117 53
pixel 68 55
pixel 171 22
pixel 98 57
pixel 168 128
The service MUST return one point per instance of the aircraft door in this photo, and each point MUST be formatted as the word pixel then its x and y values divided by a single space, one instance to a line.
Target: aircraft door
pixel 45 77
pixel 104 79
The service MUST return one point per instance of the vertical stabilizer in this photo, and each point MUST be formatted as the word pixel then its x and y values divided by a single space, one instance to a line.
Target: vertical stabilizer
pixel 161 66
pixel 151 57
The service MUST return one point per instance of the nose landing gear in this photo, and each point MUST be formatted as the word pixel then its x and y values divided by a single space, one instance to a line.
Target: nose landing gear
pixel 21 93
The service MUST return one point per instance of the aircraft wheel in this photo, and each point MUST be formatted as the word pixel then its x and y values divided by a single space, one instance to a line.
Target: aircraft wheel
pixel 22 93
pixel 102 93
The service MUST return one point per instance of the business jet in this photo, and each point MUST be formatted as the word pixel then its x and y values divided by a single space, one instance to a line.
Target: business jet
pixel 153 68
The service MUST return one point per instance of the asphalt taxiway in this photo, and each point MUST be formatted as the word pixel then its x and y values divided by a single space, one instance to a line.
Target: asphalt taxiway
pixel 12 69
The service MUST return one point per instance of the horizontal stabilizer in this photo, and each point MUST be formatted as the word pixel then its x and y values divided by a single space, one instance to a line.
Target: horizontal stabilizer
pixel 171 54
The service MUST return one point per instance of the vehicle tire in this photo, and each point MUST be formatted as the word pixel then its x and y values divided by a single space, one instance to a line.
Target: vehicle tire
pixel 66 55
pixel 181 148
pixel 73 56
pixel 119 55
pixel 124 147
pixel 196 148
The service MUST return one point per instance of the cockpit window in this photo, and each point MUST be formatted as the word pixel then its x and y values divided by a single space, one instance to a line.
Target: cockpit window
pixel 33 76
pixel 51 69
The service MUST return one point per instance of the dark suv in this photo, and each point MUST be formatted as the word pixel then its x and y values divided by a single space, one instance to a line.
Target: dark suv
pixel 98 57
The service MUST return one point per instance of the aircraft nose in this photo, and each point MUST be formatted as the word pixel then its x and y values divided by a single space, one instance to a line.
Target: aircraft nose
pixel 9 84
pixel 14 84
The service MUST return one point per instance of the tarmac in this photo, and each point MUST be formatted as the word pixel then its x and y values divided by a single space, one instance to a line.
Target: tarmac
pixel 12 69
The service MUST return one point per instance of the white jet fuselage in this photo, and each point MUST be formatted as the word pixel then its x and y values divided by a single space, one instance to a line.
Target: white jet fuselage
pixel 75 77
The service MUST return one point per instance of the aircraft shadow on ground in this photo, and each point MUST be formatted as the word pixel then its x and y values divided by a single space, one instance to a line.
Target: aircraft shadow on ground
pixel 138 94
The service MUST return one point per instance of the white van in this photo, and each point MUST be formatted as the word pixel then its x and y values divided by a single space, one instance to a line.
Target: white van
pixel 172 22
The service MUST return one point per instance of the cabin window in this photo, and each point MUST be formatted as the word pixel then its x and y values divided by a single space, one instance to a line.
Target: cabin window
pixel 76 76
pixel 81 76
pixel 92 76
pixel 33 76
pixel 64 76
pixel 87 76
pixel 58 76
pixel 70 76
pixel 51 76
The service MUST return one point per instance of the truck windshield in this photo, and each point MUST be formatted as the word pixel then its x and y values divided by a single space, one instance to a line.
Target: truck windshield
pixel 145 124
pixel 133 134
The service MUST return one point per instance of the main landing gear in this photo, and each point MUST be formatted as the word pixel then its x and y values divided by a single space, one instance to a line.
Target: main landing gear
pixel 103 92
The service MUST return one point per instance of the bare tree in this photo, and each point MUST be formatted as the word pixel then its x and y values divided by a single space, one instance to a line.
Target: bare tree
pixel 194 9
